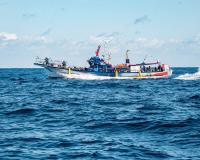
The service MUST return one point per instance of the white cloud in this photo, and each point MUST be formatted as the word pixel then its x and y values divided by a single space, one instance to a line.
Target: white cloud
pixel 46 32
pixel 8 36
pixel 28 16
pixel 142 19
pixel 100 39
pixel 104 38
pixel 34 39
pixel 173 41
pixel 148 42
pixel 114 43
pixel 197 39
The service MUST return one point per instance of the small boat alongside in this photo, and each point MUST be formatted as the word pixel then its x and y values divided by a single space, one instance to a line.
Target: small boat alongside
pixel 99 66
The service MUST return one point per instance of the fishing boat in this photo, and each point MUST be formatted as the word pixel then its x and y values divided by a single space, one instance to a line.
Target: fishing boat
pixel 101 67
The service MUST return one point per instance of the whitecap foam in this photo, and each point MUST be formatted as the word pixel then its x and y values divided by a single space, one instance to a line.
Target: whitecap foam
pixel 187 76
pixel 93 77
pixel 87 77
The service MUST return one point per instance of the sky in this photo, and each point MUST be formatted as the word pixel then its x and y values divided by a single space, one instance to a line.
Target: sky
pixel 71 30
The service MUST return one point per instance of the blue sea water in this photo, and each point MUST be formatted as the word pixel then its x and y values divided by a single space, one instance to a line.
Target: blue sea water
pixel 43 118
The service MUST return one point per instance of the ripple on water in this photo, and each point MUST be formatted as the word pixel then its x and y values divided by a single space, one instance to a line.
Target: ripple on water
pixel 45 118
pixel 23 111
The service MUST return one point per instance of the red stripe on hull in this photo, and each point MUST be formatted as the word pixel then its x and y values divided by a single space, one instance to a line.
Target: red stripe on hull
pixel 160 74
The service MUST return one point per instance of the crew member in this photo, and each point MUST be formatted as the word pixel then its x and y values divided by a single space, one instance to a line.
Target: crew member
pixel 46 60
pixel 63 63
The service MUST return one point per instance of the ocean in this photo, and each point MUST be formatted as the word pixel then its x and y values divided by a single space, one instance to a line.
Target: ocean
pixel 45 118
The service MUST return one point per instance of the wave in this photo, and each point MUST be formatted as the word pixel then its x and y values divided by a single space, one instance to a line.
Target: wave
pixel 21 111
pixel 187 76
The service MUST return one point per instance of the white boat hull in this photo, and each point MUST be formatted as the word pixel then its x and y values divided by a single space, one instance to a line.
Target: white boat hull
pixel 72 74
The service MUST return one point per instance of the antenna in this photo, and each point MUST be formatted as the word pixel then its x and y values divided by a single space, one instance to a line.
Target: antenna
pixel 107 51
pixel 109 57
pixel 145 58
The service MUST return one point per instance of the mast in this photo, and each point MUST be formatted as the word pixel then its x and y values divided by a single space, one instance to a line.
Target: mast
pixel 98 50
pixel 127 58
